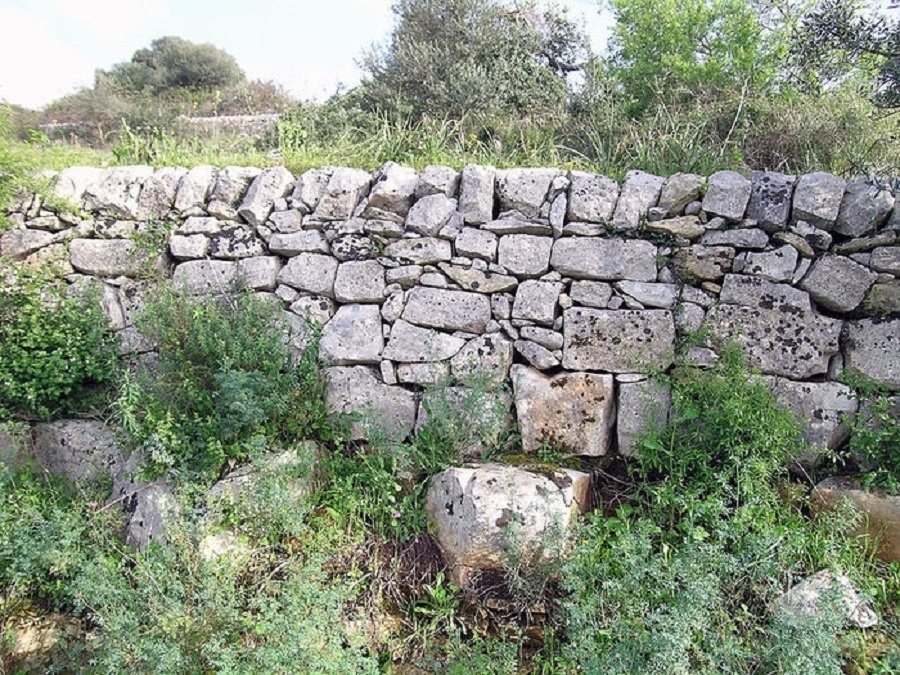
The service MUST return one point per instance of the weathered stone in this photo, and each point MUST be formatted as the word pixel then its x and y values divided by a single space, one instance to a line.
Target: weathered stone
pixel 775 326
pixel 424 374
pixel 274 183
pixel 53 259
pixel 884 238
pixel 864 208
pixel 770 199
pixel 688 318
pixel 388 411
pixel 158 193
pixel 309 188
pixel 525 255
pixel 50 223
pixel 886 259
pixel 506 226
pixel 640 192
pixel 392 193
pixel 643 407
pixel 310 272
pixel 193 189
pixel 777 265
pixel 152 510
pixel 204 277
pixel 524 190
pixel 471 279
pixel 315 308
pixel 107 258
pixel 352 336
pixel 483 362
pixel 880 512
pixel 872 346
pixel 85 452
pixel 422 251
pixel 592 198
pixel 573 413
pixel 838 283
pixel 259 273
pixel 799 243
pixel 817 199
pixel 490 515
pixel 309 241
pixel 545 337
pixel 428 215
pixel 688 227
pixel 437 180
pixel 702 263
pixel 346 187
pixel 72 183
pixel 359 281
pixel 727 195
pixel 476 243
pixel 883 298
pixel 591 293
pixel 233 243
pixel 201 225
pixel 678 191
pixel 650 295
pixel 476 199
pixel 447 310
pixel 604 259
pixel 118 192
pixel 18 243
pixel 188 247
pixel 229 189
pixel 537 301
pixel 405 276
pixel 412 344
pixel 346 247
pixel 741 238
pixel 807 597
pixel 618 341
pixel 537 355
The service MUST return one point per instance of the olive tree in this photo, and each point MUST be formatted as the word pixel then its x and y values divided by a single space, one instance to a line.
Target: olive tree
pixel 453 57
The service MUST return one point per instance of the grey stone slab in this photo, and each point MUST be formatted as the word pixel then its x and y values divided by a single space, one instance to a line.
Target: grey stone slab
pixel 864 207
pixel 592 198
pixel 640 192
pixel 537 301
pixel 643 408
pixel 476 199
pixel 625 341
pixel 678 191
pixel 107 258
pixel 353 336
pixel 524 190
pixel 817 199
pixel 428 215
pixel 413 344
pixel 727 195
pixel 525 255
pixel 359 281
pixel 310 272
pixel 604 259
pixel 380 409
pixel 837 283
pixel 447 310
pixel 471 279
pixel 420 251
pixel 872 347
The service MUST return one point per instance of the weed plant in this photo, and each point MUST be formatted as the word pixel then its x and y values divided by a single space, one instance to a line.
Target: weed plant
pixel 875 438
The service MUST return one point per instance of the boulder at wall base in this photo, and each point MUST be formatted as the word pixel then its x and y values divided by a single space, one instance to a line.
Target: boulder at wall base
pixel 487 516
pixel 880 511
pixel 84 451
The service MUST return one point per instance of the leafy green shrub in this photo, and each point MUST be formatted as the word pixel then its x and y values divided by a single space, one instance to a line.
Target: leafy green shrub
pixel 52 344
pixel 875 437
pixel 226 385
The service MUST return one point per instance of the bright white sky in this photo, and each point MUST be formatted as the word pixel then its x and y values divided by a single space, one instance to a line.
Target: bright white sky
pixel 51 48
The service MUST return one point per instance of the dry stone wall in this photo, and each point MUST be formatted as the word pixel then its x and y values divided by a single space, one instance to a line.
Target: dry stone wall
pixel 566 288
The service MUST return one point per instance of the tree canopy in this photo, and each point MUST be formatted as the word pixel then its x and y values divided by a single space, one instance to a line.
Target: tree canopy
pixel 453 57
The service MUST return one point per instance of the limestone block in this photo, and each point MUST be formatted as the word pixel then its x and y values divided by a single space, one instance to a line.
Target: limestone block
pixel 307 241
pixel 413 344
pixel 107 258
pixel 428 215
pixel 872 346
pixel 483 361
pixel 837 283
pixel 85 452
pixel 233 243
pixel 618 341
pixel 661 296
pixel 678 191
pixel 476 243
pixel 392 193
pixel 387 410
pixel 770 199
pixel 817 199
pixel 359 281
pixel 476 199
pixel 777 265
pixel 537 301
pixel 525 255
pixel 591 293
pixel 310 272
pixel 643 408
pixel 118 192
pixel 193 189
pixel 745 237
pixel 447 310
pixel 352 336
pixel 640 192
pixel 727 195
pixel 524 190
pixel 422 251
pixel 158 193
pixel 864 207
pixel 437 180
pixel 703 263
pixel 537 355
pixel 604 259
pixel 346 187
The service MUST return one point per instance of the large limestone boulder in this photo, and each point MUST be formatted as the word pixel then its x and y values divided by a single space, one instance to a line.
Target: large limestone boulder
pixel 229 189
pixel 604 259
pixel 592 198
pixel 382 409
pixel 352 336
pixel 775 326
pixel 727 195
pixel 447 310
pixel 872 346
pixel 346 187
pixel 571 412
pixel 413 344
pixel 392 193
pixel 838 283
pixel 864 207
pixel 639 194
pixel 524 190
pixel 626 341
pixel 678 191
pixel 817 199
pixel 107 257
pixel 880 512
pixel 84 451
pixel 118 192
pixel 489 516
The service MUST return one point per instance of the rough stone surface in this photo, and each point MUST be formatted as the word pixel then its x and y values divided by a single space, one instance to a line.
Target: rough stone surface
pixel 484 516
pixel 537 301
pixel 775 326
pixel 662 296
pixel 591 293
pixel 310 272
pixel 817 199
pixel 537 355
pixel 476 243
pixel 345 189
pixel 640 191
pixel 447 310
pixel 107 258
pixel 228 191
pixel 618 341
pixel 188 247
pixel 678 191
pixel 770 199
pixel 154 508
pixel 524 190
pixel 389 410
pixel 428 215
pixel 193 189
pixel 525 255
pixel 703 263
pixel 471 279
pixel 881 512
pixel 483 362
pixel 352 336
pixel 864 207
pixel 413 344
pixel 837 283
pixel 883 298
pixel 423 251
pixel 118 193
pixel 807 597
pixel 476 199
pixel 688 227
pixel 872 346
pixel 309 188
pixel 233 243
pixel 437 180
pixel 259 273
pixel 751 238
pixel 307 241
pixel 424 374
pixel 572 413
pixel 274 183
pixel 777 265
pixel 359 281
pixel 643 407
pixel 727 195
pixel 205 277
pixel 158 193
pixel 604 259
pixel 86 452
pixel 592 198
pixel 18 243
pixel 545 337
pixel 886 259
pixel 392 193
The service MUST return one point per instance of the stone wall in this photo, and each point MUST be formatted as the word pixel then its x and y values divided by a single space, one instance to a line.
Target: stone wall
pixel 566 286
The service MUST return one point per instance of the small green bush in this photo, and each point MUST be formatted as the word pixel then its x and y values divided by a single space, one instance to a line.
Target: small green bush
pixel 875 436
pixel 52 344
